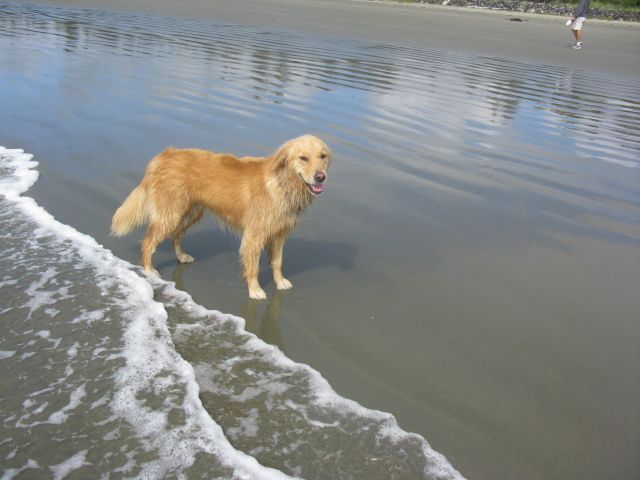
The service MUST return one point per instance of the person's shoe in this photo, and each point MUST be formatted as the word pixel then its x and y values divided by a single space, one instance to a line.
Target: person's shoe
pixel 577 46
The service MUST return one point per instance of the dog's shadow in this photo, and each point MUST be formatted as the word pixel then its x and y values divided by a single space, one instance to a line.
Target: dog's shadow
pixel 300 255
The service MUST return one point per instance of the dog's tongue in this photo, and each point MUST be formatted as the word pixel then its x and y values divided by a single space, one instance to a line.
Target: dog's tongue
pixel 317 188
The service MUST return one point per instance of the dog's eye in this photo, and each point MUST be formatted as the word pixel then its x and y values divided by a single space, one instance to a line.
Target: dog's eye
pixel 304 159
pixel 323 156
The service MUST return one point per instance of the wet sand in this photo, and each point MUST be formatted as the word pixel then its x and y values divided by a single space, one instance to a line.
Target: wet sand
pixel 472 266
pixel 610 47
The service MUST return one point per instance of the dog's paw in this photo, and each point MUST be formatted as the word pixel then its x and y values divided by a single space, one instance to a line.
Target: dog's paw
pixel 152 272
pixel 257 294
pixel 284 284
pixel 185 258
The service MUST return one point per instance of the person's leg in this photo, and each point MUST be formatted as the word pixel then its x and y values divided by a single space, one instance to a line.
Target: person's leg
pixel 577 31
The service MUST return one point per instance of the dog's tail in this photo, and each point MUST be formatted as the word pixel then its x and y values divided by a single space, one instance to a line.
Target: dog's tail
pixel 134 211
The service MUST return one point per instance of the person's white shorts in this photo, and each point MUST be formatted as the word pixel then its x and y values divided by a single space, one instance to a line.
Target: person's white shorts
pixel 577 23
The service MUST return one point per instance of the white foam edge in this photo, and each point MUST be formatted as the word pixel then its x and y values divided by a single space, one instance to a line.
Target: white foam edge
pixel 24 175
pixel 147 315
pixel 140 331
pixel 325 395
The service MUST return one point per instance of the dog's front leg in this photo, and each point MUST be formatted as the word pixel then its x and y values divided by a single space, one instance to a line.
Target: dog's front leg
pixel 250 249
pixel 275 256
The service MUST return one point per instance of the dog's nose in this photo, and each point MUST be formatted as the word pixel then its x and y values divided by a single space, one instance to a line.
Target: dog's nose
pixel 320 177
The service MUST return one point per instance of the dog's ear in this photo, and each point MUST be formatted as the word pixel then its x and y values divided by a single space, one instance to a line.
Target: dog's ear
pixel 281 157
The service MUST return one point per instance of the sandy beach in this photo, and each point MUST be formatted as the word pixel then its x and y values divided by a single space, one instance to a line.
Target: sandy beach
pixel 610 47
pixel 466 289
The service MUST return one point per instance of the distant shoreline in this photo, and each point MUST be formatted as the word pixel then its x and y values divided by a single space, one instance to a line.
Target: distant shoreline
pixel 610 47
pixel 524 6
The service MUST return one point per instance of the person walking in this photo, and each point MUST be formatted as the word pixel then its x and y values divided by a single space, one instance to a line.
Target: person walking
pixel 576 22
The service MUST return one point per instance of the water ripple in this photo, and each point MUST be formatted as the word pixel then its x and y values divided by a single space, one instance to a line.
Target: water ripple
pixel 550 150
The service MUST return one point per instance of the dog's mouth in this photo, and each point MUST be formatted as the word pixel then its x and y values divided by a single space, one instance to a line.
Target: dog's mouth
pixel 314 188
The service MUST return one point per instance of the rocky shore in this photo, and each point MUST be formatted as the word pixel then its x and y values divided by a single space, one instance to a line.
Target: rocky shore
pixel 538 7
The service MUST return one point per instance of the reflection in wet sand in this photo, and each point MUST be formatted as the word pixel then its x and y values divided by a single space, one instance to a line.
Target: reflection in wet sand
pixel 266 325
pixel 471 268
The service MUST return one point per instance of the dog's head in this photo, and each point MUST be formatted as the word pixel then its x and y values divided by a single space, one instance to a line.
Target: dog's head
pixel 308 158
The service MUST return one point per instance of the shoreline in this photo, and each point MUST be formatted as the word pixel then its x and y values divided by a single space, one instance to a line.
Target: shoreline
pixel 477 217
pixel 610 47
pixel 525 6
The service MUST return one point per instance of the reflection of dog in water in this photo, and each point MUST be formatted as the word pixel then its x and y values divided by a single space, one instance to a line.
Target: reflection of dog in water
pixel 264 320
pixel 258 197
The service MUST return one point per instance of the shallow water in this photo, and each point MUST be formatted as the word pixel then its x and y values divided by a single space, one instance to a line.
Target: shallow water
pixel 472 268
pixel 91 366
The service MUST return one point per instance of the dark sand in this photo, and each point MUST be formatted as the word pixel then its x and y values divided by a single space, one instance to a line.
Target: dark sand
pixel 483 289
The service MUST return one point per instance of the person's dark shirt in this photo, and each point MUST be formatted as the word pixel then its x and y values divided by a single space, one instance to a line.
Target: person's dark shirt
pixel 583 8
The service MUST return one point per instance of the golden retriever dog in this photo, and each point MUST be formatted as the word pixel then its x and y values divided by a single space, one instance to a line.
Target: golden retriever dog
pixel 260 198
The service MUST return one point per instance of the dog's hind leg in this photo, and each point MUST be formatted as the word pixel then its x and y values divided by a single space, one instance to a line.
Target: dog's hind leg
pixel 156 233
pixel 159 228
pixel 250 249
pixel 275 259
pixel 188 219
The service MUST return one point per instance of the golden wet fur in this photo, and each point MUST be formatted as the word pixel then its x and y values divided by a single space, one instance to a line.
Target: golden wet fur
pixel 258 197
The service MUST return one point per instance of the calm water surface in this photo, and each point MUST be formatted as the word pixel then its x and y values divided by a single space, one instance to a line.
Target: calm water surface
pixel 473 267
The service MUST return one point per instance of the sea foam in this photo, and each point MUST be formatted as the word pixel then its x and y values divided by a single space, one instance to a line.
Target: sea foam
pixel 148 350
pixel 153 365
